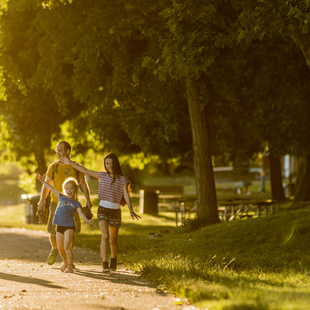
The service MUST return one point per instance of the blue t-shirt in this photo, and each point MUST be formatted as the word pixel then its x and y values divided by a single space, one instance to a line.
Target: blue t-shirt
pixel 64 215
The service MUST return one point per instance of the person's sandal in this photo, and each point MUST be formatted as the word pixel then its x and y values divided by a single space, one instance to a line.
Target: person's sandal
pixel 69 269
pixel 105 267
pixel 52 256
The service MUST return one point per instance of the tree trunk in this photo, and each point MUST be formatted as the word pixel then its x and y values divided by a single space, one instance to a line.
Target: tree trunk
pixel 302 192
pixel 41 165
pixel 277 191
pixel 205 185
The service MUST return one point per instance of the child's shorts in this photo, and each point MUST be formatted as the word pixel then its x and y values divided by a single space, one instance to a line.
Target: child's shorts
pixel 112 216
pixel 62 229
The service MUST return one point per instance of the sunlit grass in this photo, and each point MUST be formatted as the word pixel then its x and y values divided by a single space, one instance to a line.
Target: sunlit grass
pixel 12 216
pixel 251 264
pixel 10 193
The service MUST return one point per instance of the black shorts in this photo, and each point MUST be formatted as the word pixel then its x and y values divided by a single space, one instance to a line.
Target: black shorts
pixel 62 229
pixel 112 216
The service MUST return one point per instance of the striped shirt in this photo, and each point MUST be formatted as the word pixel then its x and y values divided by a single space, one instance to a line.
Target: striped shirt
pixel 109 191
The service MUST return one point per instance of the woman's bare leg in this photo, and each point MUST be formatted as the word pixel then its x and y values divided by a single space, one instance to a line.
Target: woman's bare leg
pixel 113 231
pixel 104 240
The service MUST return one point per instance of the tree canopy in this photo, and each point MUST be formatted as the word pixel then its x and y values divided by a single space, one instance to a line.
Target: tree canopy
pixel 170 78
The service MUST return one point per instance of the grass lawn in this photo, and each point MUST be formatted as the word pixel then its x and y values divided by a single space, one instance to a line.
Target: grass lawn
pixel 9 191
pixel 250 264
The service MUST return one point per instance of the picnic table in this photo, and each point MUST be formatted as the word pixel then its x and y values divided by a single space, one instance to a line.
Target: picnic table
pixel 245 208
pixel 170 198
pixel 229 210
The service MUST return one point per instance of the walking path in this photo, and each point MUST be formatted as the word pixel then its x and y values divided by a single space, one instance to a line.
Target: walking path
pixel 27 282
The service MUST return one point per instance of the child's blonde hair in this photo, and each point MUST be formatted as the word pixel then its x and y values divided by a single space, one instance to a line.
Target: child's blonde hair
pixel 74 182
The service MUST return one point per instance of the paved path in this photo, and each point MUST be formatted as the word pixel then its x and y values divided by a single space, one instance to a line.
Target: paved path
pixel 27 282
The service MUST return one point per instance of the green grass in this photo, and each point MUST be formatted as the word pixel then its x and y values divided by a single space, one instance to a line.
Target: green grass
pixel 10 193
pixel 251 264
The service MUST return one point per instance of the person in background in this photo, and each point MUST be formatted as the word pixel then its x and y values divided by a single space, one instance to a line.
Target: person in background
pixel 56 174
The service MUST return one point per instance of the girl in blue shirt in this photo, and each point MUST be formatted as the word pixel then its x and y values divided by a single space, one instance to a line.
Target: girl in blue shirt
pixel 64 219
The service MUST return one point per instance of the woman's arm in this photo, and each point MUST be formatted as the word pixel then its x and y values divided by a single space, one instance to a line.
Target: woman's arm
pixel 49 186
pixel 82 169
pixel 85 189
pixel 82 215
pixel 133 214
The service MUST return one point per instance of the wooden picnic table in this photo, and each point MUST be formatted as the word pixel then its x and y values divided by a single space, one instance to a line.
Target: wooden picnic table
pixel 245 208
pixel 229 210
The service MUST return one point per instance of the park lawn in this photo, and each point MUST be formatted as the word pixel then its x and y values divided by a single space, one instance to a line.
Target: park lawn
pixel 250 264
pixel 9 191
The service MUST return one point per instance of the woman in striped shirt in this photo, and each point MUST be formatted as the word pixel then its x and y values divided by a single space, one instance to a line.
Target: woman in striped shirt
pixel 112 190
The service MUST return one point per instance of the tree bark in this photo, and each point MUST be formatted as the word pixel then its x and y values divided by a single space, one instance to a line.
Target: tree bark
pixel 277 191
pixel 302 192
pixel 207 212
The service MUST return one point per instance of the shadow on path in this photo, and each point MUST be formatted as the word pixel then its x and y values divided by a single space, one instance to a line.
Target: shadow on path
pixel 15 278
pixel 34 246
pixel 121 277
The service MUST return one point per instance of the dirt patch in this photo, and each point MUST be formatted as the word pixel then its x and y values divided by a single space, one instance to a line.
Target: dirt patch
pixel 27 282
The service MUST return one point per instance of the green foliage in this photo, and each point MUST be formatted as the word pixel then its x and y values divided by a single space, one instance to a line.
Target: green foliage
pixel 105 80
pixel 30 123
pixel 113 74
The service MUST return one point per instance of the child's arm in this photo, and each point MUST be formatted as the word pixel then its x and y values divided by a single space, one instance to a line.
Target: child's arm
pixel 82 215
pixel 133 214
pixel 49 186
pixel 82 169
